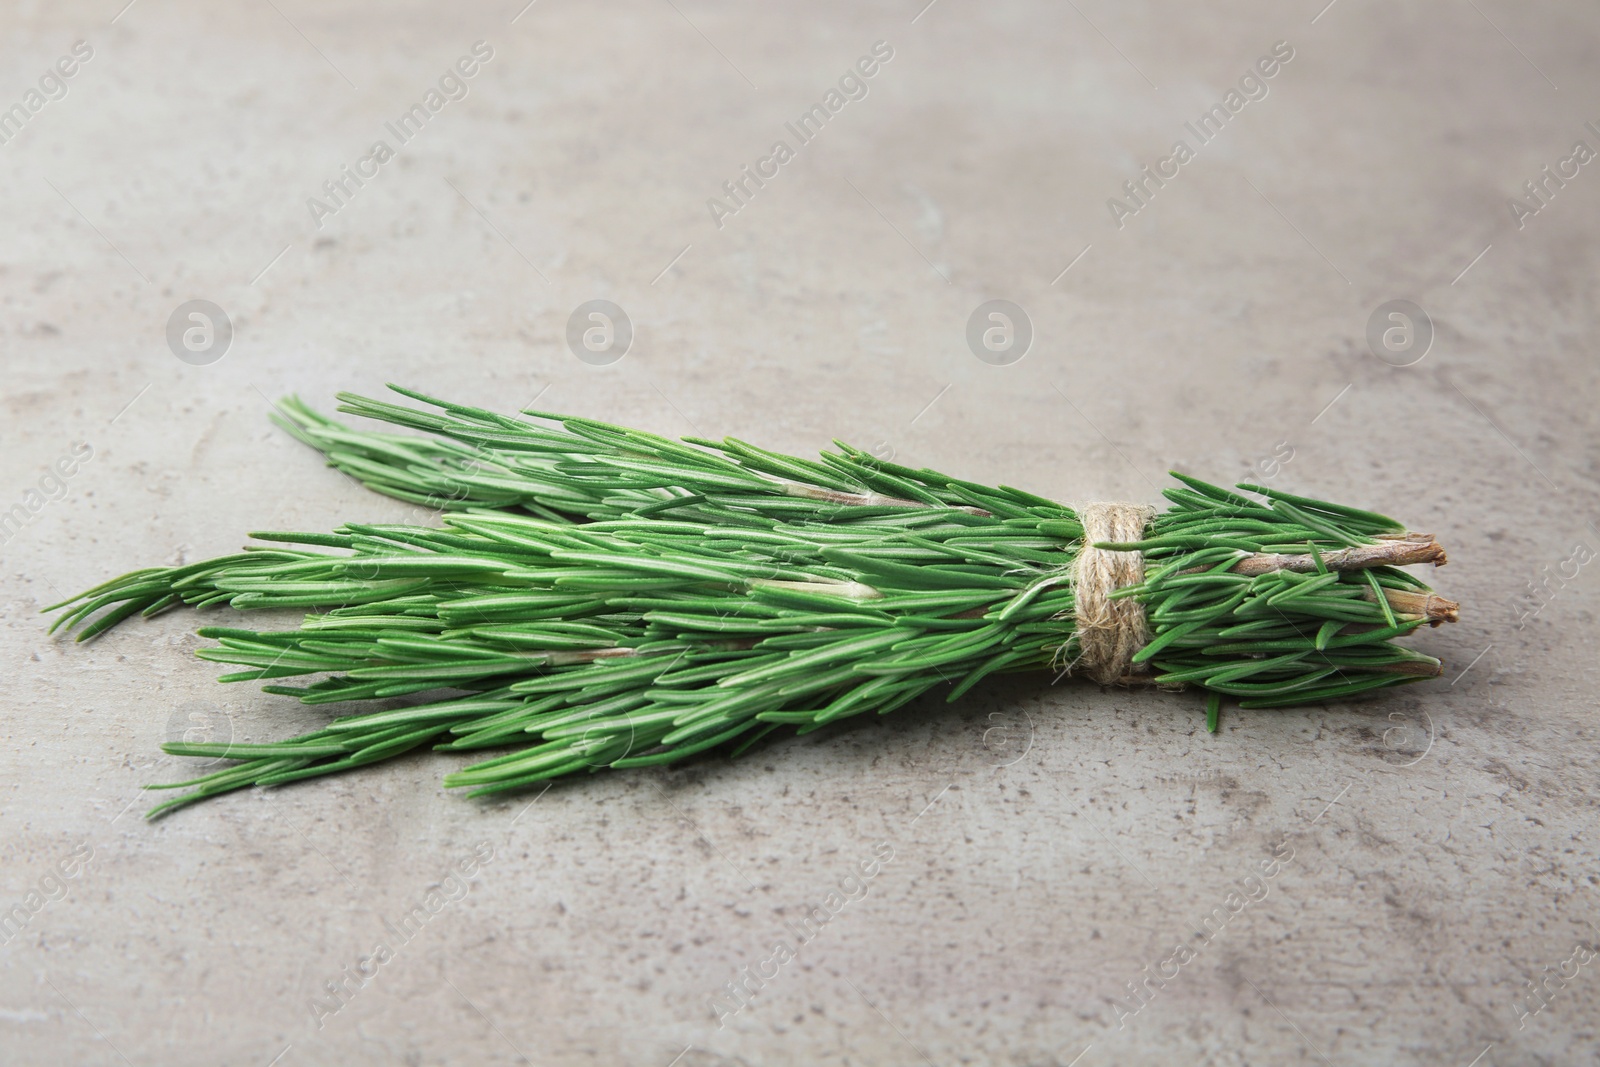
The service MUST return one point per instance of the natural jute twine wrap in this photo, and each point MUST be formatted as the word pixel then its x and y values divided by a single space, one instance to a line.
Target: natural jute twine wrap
pixel 1109 631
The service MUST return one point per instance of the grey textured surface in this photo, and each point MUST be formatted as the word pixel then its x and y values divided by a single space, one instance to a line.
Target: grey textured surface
pixel 1048 842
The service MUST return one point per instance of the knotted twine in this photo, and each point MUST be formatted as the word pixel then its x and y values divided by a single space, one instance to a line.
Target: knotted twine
pixel 1109 631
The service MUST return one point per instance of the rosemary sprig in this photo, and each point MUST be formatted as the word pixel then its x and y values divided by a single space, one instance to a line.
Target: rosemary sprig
pixel 603 597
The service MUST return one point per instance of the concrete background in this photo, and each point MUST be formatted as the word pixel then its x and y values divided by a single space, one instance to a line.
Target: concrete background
pixel 1048 843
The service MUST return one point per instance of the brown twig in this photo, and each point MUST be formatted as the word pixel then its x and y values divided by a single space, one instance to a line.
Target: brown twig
pixel 1431 606
pixel 1398 553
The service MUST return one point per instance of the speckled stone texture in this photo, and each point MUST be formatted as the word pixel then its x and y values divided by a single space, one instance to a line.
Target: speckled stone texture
pixel 1373 883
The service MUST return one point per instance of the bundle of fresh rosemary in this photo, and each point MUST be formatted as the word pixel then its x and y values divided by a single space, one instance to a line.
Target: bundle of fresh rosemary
pixel 603 597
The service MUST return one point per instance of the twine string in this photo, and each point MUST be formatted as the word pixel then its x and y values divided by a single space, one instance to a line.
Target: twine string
pixel 1109 631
